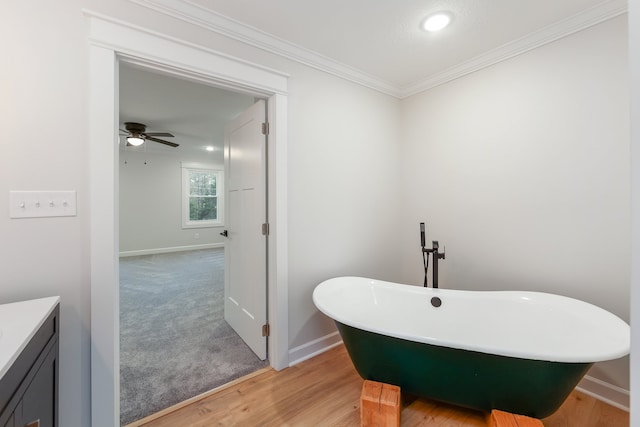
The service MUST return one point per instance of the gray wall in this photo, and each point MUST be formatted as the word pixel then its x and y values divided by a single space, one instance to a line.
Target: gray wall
pixel 151 204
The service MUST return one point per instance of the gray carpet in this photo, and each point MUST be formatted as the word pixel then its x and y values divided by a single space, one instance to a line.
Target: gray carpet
pixel 174 342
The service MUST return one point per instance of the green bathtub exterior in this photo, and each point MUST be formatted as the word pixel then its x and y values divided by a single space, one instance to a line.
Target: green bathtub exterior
pixel 466 378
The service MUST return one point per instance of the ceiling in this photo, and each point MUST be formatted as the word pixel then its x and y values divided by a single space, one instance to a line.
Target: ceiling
pixel 377 43
pixel 193 112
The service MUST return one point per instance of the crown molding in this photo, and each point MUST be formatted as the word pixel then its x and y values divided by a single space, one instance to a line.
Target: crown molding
pixel 195 14
pixel 578 22
pixel 187 11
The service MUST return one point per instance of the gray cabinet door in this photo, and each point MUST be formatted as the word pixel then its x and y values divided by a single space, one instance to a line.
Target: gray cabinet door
pixel 38 401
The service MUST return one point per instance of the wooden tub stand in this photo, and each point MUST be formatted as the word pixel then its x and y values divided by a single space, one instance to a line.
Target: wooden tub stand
pixel 380 406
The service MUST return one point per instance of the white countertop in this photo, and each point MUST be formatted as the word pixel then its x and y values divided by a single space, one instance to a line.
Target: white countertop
pixel 19 321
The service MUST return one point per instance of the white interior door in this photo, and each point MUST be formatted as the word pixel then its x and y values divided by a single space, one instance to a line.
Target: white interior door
pixel 245 289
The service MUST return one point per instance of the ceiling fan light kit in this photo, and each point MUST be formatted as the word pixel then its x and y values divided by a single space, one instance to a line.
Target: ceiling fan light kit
pixel 135 140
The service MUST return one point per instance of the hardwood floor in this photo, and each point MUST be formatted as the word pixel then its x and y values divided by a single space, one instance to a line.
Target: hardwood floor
pixel 325 391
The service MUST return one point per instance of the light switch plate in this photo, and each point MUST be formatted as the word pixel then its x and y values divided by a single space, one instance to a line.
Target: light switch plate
pixel 38 204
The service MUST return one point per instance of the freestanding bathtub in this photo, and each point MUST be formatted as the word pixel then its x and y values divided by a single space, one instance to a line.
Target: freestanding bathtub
pixel 521 352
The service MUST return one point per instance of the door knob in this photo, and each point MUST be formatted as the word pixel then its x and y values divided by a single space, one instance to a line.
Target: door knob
pixel 225 233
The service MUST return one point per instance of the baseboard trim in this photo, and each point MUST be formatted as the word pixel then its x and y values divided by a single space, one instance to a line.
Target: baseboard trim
pixel 154 251
pixel 608 393
pixel 314 348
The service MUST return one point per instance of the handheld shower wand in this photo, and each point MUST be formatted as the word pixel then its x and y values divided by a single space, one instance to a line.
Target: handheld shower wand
pixel 425 253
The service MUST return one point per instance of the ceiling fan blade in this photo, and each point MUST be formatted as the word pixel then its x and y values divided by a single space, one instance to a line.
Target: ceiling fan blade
pixel 159 134
pixel 161 141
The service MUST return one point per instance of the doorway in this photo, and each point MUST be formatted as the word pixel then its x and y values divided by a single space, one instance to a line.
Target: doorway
pixel 111 43
pixel 174 341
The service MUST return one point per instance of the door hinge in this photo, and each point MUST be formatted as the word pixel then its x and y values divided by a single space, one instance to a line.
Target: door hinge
pixel 265 229
pixel 265 330
pixel 265 128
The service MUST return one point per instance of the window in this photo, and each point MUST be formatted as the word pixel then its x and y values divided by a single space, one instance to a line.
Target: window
pixel 202 196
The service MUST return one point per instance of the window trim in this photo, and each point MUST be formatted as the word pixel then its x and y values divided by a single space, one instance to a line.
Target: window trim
pixel 187 168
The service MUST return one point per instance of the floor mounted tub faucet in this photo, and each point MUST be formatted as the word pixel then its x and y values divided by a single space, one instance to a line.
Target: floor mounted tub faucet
pixel 425 257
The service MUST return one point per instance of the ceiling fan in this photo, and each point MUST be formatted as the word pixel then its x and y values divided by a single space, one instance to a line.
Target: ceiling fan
pixel 136 135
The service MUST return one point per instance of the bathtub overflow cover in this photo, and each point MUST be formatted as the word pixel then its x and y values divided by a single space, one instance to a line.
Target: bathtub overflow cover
pixel 436 302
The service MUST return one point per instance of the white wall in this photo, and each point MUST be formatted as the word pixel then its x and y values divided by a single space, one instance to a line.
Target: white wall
pixel 342 191
pixel 151 204
pixel 522 171
pixel 343 173
pixel 342 140
pixel 634 59
pixel 43 147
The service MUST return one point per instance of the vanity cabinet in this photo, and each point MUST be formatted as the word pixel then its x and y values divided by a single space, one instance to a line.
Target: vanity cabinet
pixel 29 387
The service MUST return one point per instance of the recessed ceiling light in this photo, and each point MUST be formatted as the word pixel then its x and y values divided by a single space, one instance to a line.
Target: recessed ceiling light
pixel 437 21
pixel 209 148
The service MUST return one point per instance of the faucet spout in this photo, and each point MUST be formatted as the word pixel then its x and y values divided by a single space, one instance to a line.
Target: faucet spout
pixel 436 256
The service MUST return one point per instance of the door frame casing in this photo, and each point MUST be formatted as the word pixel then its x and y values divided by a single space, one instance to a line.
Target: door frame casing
pixel 112 42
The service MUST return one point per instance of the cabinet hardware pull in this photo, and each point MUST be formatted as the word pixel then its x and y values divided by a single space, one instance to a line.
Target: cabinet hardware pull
pixel 35 423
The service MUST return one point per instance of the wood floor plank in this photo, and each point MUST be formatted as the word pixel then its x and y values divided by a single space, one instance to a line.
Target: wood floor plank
pixel 325 391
